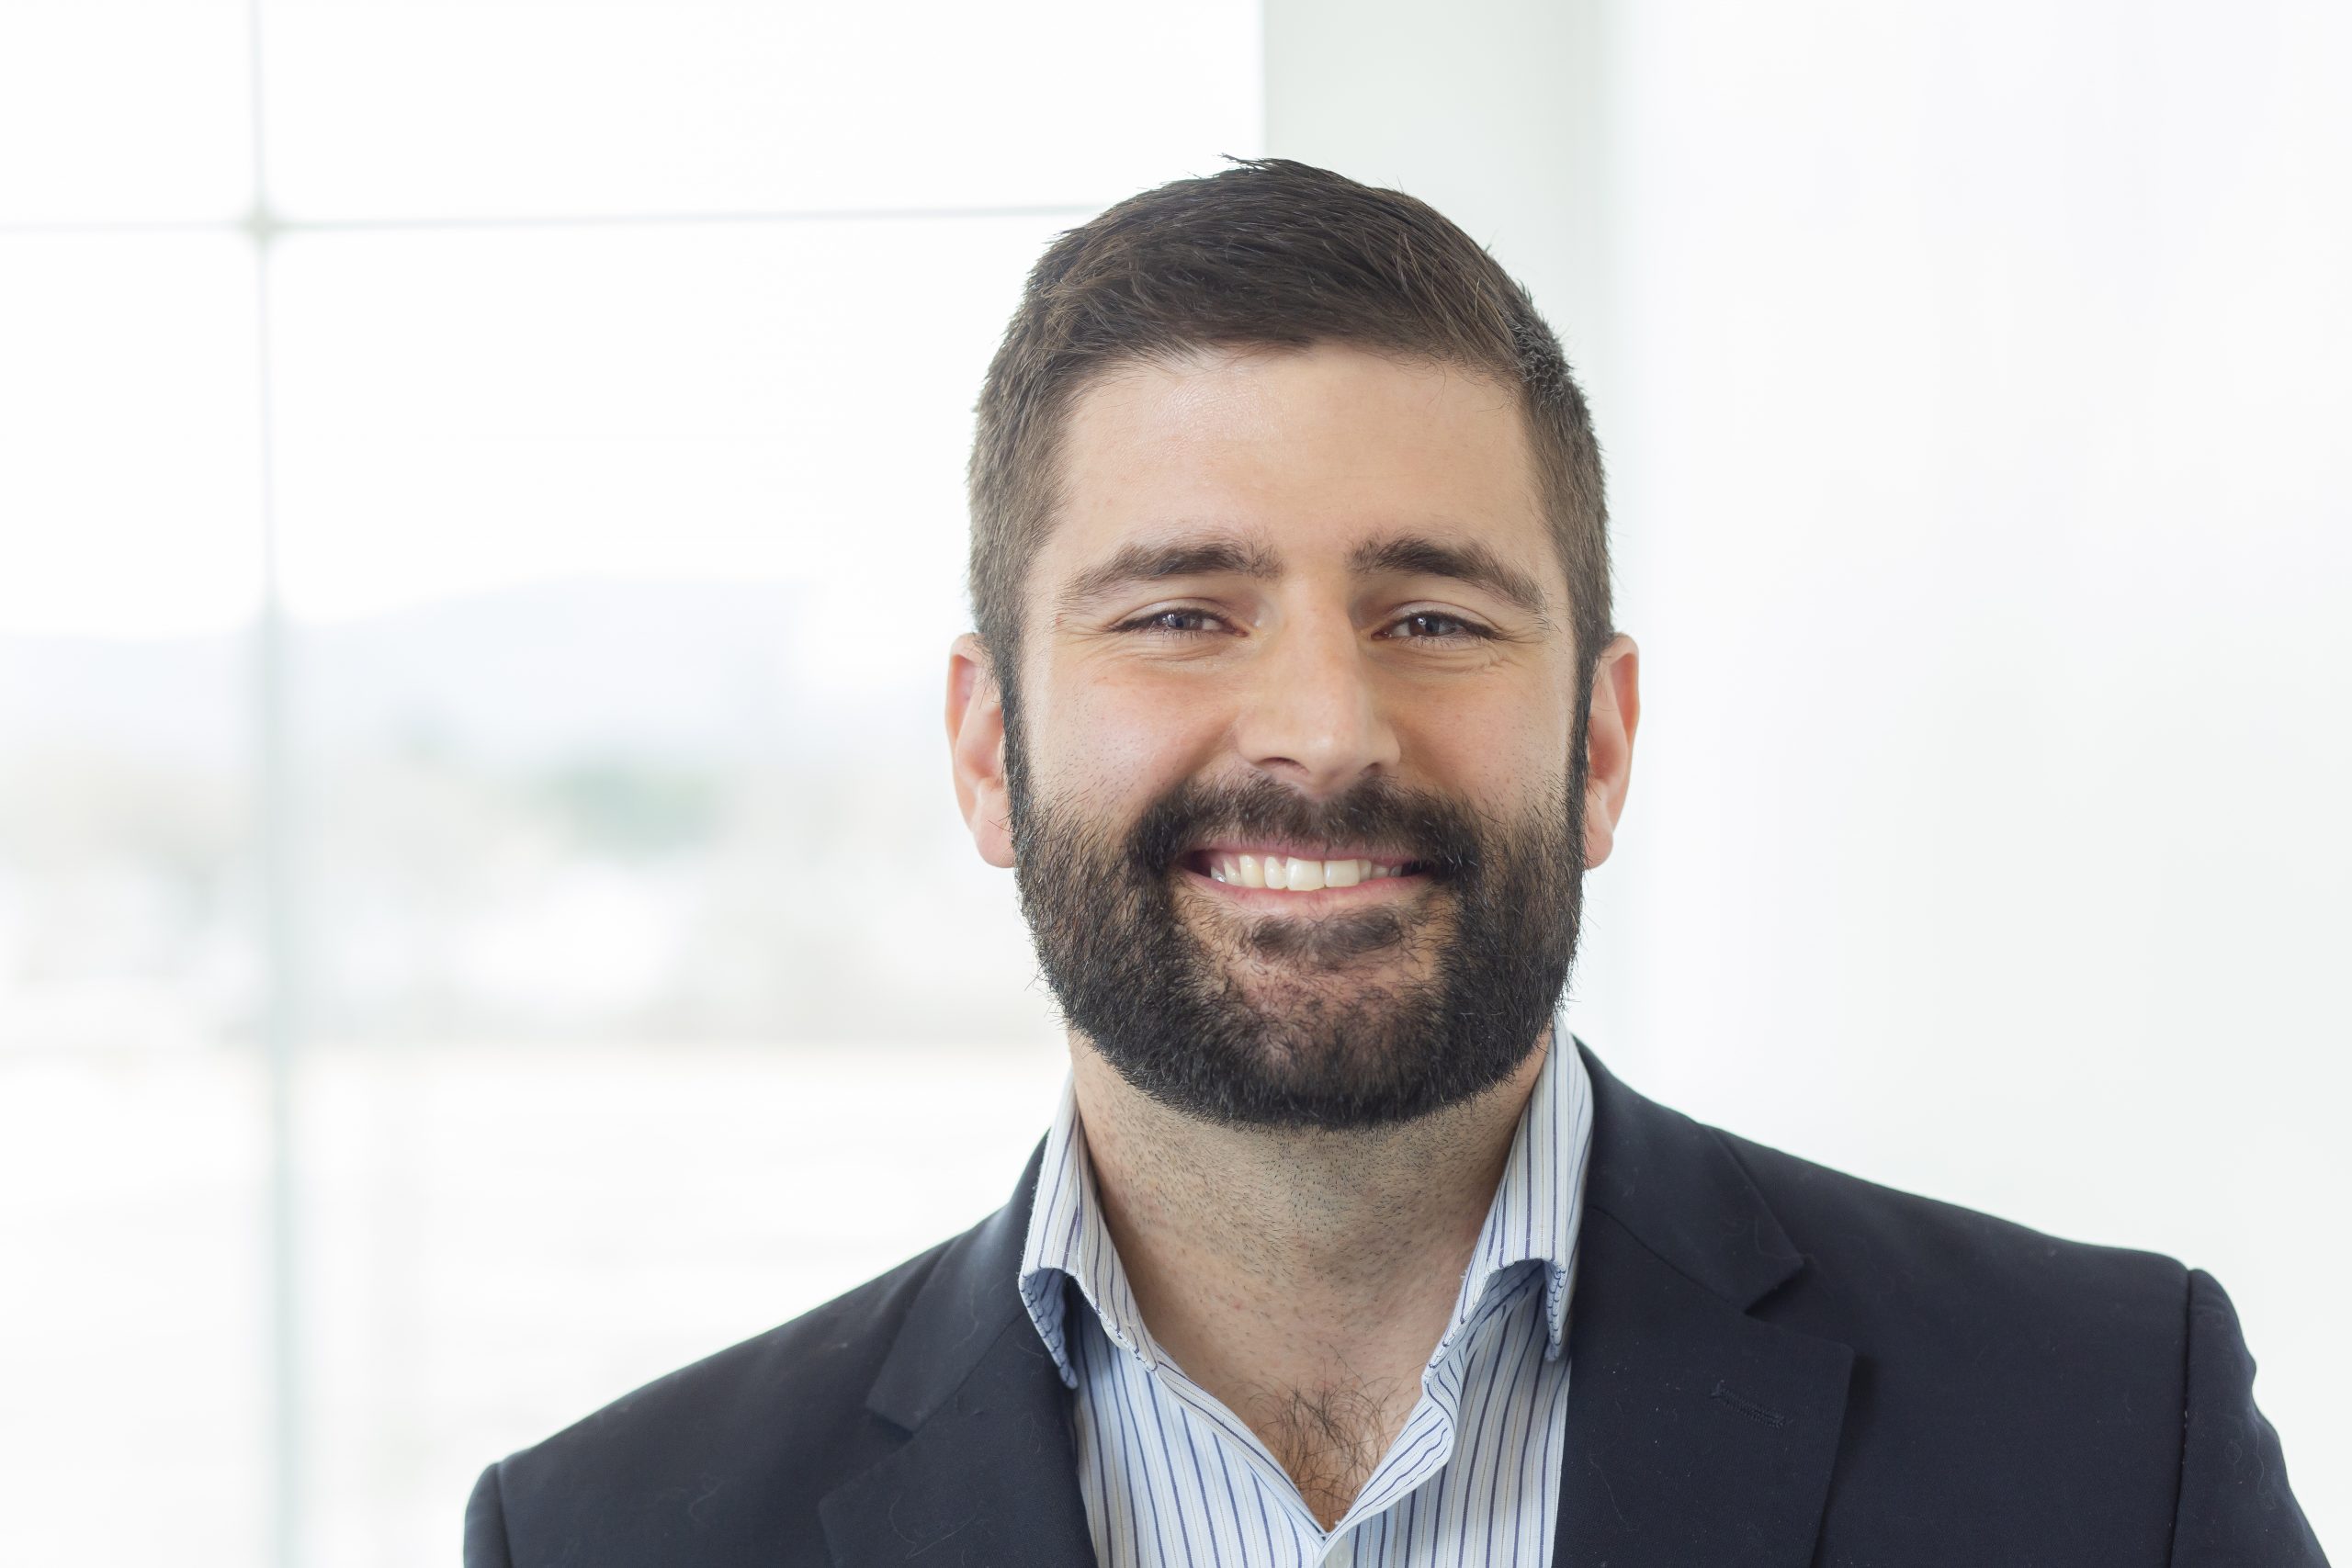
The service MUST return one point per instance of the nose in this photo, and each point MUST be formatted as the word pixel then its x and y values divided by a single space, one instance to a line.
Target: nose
pixel 1312 714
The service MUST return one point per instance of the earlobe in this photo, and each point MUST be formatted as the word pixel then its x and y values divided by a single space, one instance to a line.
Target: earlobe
pixel 976 748
pixel 1616 712
pixel 1599 832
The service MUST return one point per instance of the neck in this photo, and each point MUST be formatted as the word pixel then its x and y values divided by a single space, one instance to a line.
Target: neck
pixel 1302 1276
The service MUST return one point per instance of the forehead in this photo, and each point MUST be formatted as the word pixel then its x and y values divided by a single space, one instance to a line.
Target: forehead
pixel 1312 450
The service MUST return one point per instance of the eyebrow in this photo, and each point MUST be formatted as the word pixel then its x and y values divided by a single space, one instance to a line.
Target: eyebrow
pixel 1218 555
pixel 1230 554
pixel 1466 561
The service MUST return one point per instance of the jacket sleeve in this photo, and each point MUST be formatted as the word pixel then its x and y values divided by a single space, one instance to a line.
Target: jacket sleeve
pixel 2234 1510
pixel 486 1525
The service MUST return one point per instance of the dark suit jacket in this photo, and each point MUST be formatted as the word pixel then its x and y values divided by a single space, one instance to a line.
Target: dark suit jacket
pixel 1773 1364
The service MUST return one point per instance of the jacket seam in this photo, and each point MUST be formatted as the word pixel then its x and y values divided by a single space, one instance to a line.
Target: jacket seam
pixel 2188 1370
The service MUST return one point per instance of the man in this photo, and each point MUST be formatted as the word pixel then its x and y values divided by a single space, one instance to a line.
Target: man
pixel 1296 711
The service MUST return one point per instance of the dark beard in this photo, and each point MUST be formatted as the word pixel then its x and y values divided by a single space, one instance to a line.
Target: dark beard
pixel 1498 917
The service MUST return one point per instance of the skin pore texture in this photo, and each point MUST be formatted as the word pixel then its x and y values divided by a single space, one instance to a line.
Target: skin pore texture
pixel 1235 644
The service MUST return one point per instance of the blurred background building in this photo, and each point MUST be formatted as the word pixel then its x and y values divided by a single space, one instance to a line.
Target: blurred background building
pixel 480 524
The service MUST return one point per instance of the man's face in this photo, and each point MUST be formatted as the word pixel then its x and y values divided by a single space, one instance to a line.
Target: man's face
pixel 1295 783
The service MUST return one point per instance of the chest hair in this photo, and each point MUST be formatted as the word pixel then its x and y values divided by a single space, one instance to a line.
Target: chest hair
pixel 1329 1438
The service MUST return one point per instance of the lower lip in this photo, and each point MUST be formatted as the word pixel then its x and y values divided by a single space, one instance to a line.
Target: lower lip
pixel 1375 890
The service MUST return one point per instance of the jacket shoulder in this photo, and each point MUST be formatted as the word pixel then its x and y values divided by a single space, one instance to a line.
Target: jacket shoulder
pixel 2036 1379
pixel 1876 1243
pixel 689 1464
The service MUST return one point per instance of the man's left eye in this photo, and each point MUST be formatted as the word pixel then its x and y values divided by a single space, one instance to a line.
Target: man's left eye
pixel 1435 623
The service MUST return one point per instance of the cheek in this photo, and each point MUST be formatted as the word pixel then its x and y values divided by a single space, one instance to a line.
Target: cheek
pixel 1499 752
pixel 1109 742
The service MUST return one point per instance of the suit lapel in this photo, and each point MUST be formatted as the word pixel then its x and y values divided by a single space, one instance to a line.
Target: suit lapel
pixel 1696 1432
pixel 987 1474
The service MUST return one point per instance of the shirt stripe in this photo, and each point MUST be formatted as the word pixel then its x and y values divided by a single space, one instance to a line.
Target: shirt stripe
pixel 1172 1478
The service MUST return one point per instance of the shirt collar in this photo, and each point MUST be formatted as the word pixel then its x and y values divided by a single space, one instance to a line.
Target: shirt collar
pixel 1535 1217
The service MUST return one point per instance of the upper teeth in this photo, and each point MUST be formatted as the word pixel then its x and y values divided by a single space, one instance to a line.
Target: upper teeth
pixel 1290 872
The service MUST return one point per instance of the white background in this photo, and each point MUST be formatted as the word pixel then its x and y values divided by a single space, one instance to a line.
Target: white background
pixel 1973 386
pixel 550 908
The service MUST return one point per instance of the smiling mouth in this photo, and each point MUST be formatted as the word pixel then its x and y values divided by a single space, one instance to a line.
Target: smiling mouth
pixel 1280 872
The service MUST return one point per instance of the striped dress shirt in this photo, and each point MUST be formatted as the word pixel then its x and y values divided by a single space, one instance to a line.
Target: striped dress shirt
pixel 1172 1479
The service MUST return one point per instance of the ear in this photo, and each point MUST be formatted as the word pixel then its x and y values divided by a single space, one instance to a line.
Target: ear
pixel 1609 744
pixel 976 748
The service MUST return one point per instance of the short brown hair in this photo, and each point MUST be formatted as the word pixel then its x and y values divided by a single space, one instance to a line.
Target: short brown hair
pixel 1267 252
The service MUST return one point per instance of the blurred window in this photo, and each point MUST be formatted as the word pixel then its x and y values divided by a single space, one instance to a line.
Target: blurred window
pixel 476 862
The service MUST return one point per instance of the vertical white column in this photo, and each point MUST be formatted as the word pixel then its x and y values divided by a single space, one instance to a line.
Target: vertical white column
pixel 274 769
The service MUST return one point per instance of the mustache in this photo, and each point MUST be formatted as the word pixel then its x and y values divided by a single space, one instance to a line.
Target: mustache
pixel 1441 835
